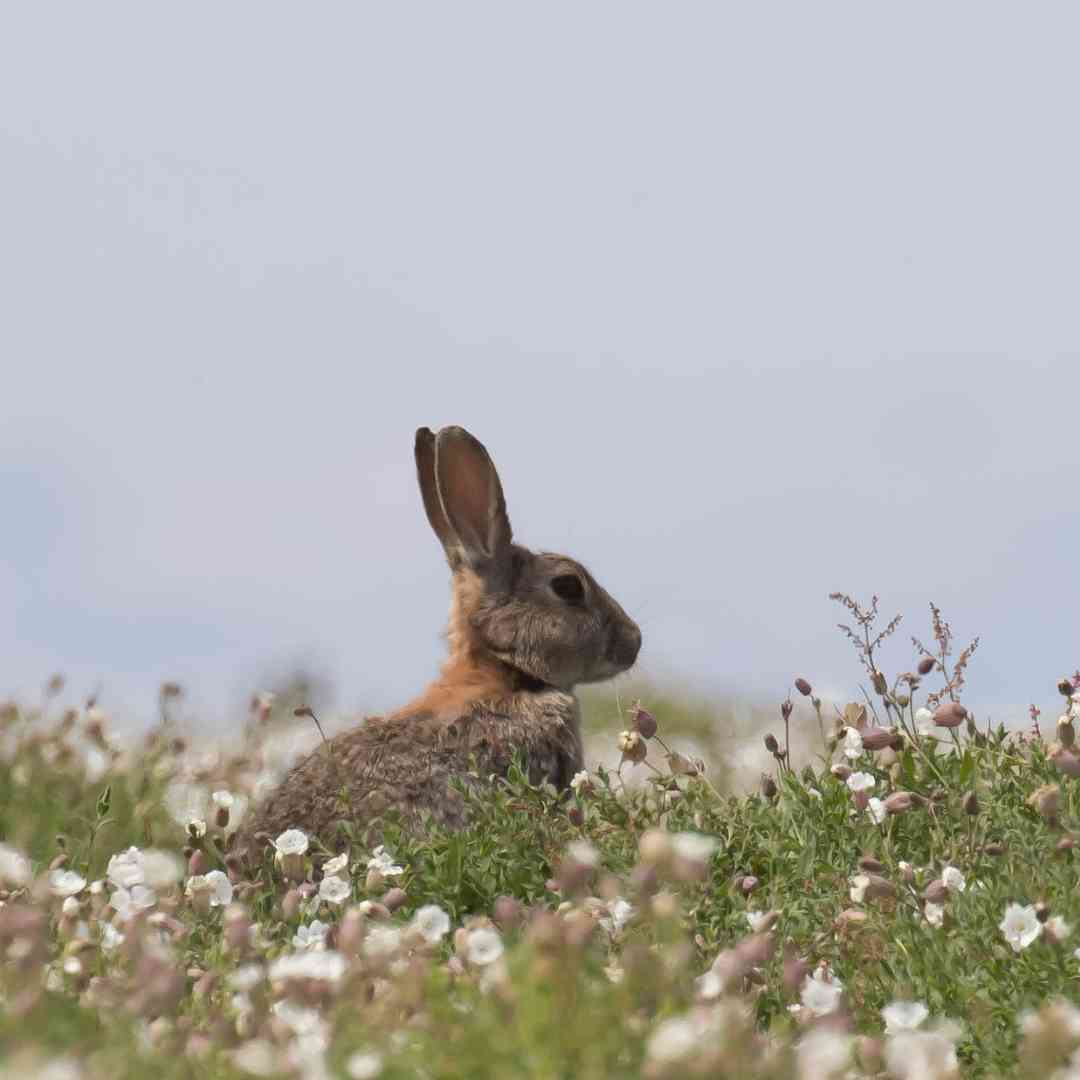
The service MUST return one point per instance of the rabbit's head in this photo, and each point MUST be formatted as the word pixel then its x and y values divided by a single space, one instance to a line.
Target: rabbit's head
pixel 543 615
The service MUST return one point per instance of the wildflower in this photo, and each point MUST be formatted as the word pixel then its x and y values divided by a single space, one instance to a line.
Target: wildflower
pixel 382 941
pixel 693 846
pixel 876 809
pixel 14 867
pixel 950 715
pixel 111 938
pixel 129 902
pixel 1020 926
pixel 823 1052
pixel 853 744
pixel 760 921
pixel 934 913
pixel 619 913
pixel 338 866
pixel 311 937
pixel 673 1040
pixel 821 992
pixel 904 1016
pixel 581 782
pixel 953 879
pixel 322 966
pixel 364 1065
pixel 899 802
pixel 66 883
pixel 916 1055
pixel 1057 929
pixel 291 842
pixel 483 946
pixel 382 861
pixel 334 891
pixel 161 869
pixel 632 747
pixel 196 828
pixel 860 781
pixel 223 799
pixel 709 986
pixel 431 923
pixel 209 890
pixel 126 869
pixel 924 722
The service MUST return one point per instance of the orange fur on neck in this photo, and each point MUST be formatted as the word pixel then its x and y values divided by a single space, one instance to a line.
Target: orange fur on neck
pixel 470 673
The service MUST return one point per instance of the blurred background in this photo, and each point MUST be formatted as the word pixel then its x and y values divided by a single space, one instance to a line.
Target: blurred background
pixel 749 303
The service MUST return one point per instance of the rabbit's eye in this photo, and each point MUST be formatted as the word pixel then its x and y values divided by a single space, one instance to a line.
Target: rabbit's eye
pixel 568 587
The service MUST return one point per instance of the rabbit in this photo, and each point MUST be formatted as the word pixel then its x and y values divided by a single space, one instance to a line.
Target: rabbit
pixel 525 628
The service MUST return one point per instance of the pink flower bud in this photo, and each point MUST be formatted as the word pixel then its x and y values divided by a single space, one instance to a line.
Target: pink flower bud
pixel 899 802
pixel 926 665
pixel 950 715
pixel 803 687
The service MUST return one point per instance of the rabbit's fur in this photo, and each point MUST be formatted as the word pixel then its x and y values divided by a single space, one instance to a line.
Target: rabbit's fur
pixel 524 629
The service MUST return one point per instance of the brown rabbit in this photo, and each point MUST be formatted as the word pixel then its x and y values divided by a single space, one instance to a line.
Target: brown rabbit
pixel 524 630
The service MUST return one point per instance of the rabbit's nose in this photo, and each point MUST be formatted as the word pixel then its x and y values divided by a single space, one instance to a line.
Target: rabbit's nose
pixel 625 644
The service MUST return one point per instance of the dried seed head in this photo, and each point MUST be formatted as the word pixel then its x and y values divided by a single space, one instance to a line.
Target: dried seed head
pixel 950 715
pixel 1066 733
pixel 903 700
pixel 971 803
pixel 881 684
pixel 768 786
pixel 644 722
pixel 803 687
pixel 1065 686
pixel 785 709
pixel 926 665
pixel 290 905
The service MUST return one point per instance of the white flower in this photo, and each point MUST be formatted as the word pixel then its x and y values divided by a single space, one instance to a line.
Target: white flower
pixel 256 1057
pixel 431 923
pixel 619 913
pixel 953 880
pixel 853 746
pixel 1057 929
pixel 14 867
pixel 129 902
pixel 382 861
pixel 673 1040
pixel 324 966
pixel 693 846
pixel 859 885
pixel 70 907
pixel 338 866
pixel 364 1065
pixel 824 1053
pixel 224 799
pixel 291 842
pixel 126 869
pixel 311 936
pixel 757 920
pixel 821 992
pixel 1020 926
pixel 483 946
pixel 110 937
pixel 903 1016
pixel 583 854
pixel 924 722
pixel 161 869
pixel 916 1055
pixel 66 883
pixel 382 941
pixel 334 890
pixel 246 977
pixel 935 913
pixel 709 986
pixel 876 809
pixel 221 887
pixel 196 827
pixel 580 780
pixel 861 781
pixel 299 1019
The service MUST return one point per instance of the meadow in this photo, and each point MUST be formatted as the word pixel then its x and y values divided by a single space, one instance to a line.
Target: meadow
pixel 895 898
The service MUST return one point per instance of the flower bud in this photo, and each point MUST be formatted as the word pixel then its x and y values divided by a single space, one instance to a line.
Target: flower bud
pixel 1046 801
pixel 903 700
pixel 877 738
pixel 507 913
pixel 950 715
pixel 771 744
pixel 936 892
pixel 576 815
pixel 632 746
pixel 994 848
pixel 1067 761
pixel 926 665
pixel 899 802
pixel 840 771
pixel 768 786
pixel 351 931
pixel 785 709
pixel 748 884
pixel 803 687
pixel 290 905
pixel 221 817
pixel 394 898
pixel 871 865
pixel 971 803
pixel 881 684
pixel 374 880
pixel 197 863
pixel 1066 733
pixel 1066 686
pixel 1065 845
pixel 644 723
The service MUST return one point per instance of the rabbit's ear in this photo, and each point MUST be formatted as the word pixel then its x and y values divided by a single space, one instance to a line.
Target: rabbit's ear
pixel 429 491
pixel 472 499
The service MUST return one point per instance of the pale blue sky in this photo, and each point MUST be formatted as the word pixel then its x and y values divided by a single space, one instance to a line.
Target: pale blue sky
pixel 750 302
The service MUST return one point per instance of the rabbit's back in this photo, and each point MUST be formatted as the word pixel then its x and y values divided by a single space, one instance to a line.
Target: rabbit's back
pixel 405 764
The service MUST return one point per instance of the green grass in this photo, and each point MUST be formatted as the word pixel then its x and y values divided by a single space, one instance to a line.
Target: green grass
pixel 568 997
